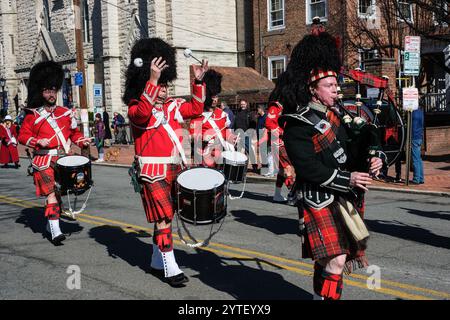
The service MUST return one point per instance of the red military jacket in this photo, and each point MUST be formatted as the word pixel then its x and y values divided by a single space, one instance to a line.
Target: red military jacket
pixel 218 116
pixel 275 131
pixel 36 127
pixel 153 143
pixel 8 144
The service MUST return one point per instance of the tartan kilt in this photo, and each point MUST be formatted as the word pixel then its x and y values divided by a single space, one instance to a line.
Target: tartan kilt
pixel 326 237
pixel 44 180
pixel 158 198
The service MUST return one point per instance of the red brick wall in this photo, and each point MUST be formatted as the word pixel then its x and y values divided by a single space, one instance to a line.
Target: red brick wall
pixel 437 140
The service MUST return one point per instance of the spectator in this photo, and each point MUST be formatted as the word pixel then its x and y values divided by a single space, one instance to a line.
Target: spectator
pixel 99 134
pixel 242 118
pixel 108 135
pixel 224 106
pixel 261 120
pixel 118 124
pixel 417 138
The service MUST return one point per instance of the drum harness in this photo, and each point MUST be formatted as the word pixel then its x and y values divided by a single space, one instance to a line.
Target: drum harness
pixel 66 145
pixel 134 172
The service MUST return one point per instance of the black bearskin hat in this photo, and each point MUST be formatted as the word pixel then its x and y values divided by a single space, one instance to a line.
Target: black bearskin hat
pixel 213 82
pixel 43 75
pixel 138 72
pixel 312 54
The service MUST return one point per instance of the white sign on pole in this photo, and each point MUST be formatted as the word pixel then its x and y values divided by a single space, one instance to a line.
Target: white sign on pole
pixel 410 99
pixel 98 95
pixel 411 61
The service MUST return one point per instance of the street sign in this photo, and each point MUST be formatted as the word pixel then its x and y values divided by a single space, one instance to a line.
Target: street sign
pixel 411 57
pixel 98 95
pixel 79 78
pixel 410 99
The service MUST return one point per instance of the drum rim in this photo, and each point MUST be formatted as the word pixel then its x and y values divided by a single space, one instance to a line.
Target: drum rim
pixel 222 215
pixel 234 161
pixel 77 166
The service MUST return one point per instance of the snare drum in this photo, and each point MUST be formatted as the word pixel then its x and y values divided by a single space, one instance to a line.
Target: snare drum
pixel 201 195
pixel 73 173
pixel 234 166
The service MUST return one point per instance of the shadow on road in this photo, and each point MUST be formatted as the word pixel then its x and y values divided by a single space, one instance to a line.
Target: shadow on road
pixel 444 215
pixel 241 281
pixel 125 245
pixel 34 219
pixel 251 195
pixel 407 232
pixel 276 225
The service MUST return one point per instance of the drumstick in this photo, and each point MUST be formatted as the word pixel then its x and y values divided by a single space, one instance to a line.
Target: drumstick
pixel 85 139
pixel 55 134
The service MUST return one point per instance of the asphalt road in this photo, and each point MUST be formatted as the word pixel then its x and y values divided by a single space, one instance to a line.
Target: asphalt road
pixel 255 255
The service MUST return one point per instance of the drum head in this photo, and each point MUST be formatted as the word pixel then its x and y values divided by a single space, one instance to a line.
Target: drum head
pixel 201 179
pixel 72 161
pixel 234 156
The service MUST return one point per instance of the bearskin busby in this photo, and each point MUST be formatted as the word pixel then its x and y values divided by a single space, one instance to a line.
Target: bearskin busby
pixel 213 82
pixel 313 58
pixel 43 75
pixel 138 72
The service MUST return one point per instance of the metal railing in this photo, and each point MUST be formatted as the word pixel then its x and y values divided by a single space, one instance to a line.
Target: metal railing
pixel 435 103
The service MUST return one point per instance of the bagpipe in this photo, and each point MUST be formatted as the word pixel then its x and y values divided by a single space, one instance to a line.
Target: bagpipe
pixel 371 124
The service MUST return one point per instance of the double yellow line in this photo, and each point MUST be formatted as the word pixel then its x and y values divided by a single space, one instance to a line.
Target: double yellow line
pixel 393 288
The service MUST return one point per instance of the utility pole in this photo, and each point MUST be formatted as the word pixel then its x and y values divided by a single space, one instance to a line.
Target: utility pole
pixel 80 68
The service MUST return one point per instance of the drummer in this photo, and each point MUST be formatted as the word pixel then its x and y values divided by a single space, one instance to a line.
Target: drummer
pixel 49 130
pixel 209 131
pixel 156 118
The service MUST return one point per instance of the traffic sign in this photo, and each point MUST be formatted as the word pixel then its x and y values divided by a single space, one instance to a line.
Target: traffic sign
pixel 79 78
pixel 410 99
pixel 411 57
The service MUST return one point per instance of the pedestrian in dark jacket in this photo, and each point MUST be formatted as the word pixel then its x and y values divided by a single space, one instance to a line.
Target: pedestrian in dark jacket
pixel 99 132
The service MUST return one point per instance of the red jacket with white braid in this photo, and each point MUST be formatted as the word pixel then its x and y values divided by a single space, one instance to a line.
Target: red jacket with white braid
pixel 36 127
pixel 151 138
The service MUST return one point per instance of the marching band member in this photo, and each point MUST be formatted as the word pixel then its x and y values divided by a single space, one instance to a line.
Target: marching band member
pixel 318 145
pixel 281 160
pixel 49 130
pixel 8 143
pixel 155 117
pixel 210 130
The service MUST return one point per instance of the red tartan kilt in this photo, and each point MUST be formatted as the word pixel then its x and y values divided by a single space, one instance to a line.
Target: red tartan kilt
pixel 325 234
pixel 45 180
pixel 157 198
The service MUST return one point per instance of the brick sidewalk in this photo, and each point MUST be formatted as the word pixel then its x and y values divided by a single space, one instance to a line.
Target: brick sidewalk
pixel 436 170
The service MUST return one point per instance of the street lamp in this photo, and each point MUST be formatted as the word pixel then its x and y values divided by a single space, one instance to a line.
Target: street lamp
pixel 2 84
pixel 68 87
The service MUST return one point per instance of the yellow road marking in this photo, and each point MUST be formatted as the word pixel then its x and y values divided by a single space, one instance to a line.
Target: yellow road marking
pixel 89 219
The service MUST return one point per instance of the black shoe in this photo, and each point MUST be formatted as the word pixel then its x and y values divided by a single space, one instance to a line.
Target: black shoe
pixel 422 182
pixel 415 182
pixel 17 166
pixel 5 166
pixel 177 281
pixel 398 180
pixel 57 241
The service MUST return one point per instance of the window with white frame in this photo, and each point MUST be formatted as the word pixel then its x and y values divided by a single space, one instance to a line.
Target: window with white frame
pixel 277 65
pixel 366 8
pixel 316 8
pixel 405 10
pixel 364 55
pixel 275 14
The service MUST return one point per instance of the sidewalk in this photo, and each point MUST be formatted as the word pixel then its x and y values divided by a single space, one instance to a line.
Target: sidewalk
pixel 436 168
